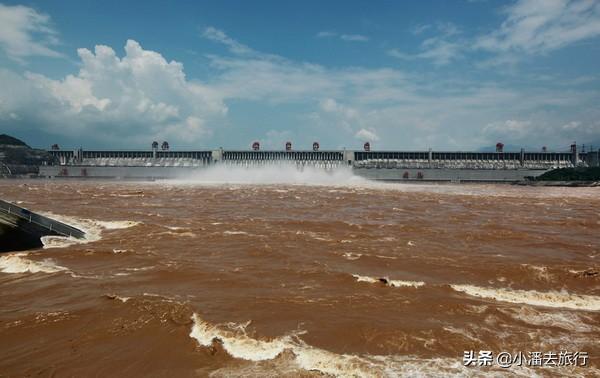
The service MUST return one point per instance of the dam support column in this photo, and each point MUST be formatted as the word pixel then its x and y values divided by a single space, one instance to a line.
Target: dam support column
pixel 349 157
pixel 78 155
pixel 522 157
pixel 429 157
pixel 574 154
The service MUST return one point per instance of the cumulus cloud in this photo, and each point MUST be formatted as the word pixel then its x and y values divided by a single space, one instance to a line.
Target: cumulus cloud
pixel 539 26
pixel 366 135
pixel 141 95
pixel 26 32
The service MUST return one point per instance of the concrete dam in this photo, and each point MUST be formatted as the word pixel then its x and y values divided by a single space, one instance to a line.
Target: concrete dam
pixel 377 165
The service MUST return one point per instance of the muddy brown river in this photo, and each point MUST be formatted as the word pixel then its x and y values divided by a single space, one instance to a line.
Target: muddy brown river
pixel 196 279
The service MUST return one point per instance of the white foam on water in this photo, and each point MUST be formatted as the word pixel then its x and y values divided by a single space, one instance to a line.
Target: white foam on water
pixel 386 257
pixel 116 225
pixel 144 268
pixel 398 283
pixel 313 235
pixel 540 272
pixel 92 229
pixel 352 256
pixel 389 282
pixel 274 174
pixel 17 263
pixel 239 345
pixel 181 234
pixel 235 233
pixel 570 321
pixel 175 228
pixel 558 299
pixel 368 279
pixel 118 297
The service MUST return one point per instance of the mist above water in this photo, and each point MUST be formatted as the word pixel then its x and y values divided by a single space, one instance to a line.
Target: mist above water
pixel 275 174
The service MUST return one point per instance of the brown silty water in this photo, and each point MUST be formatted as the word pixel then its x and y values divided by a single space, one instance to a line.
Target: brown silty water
pixel 190 279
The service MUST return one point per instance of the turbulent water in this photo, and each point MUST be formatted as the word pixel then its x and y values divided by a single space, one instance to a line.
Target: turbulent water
pixel 358 279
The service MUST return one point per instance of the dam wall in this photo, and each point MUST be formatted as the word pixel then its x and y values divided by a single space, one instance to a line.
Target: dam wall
pixel 448 174
pixel 377 165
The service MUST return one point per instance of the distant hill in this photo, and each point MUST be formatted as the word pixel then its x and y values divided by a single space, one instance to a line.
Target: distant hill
pixel 7 140
pixel 17 158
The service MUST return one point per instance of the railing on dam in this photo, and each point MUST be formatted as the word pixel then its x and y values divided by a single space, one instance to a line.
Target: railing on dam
pixel 116 158
pixel 467 160
pixel 321 159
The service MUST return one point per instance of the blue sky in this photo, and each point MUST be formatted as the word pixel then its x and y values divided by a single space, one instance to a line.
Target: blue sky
pixel 402 75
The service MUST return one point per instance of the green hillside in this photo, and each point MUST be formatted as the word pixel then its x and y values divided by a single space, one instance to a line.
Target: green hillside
pixel 571 174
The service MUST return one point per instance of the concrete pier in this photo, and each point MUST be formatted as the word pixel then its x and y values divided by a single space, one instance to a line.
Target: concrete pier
pixel 21 229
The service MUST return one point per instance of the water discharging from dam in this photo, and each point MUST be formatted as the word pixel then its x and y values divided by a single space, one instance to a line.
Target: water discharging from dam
pixel 274 174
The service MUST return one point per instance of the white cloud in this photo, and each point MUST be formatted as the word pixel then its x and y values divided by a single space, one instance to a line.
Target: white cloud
pixel 441 49
pixel 326 34
pixel 354 37
pixel 142 96
pixel 366 135
pixel 276 139
pixel 542 131
pixel 419 29
pixel 539 26
pixel 530 27
pixel 513 129
pixel 25 32
pixel 219 36
pixel 343 37
pixel 137 97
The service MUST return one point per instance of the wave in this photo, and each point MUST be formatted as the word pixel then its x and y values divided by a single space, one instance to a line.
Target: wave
pixel 17 263
pixel 314 235
pixel 117 297
pixel 238 344
pixel 558 299
pixel 116 225
pixel 352 255
pixel 235 233
pixel 181 234
pixel 571 321
pixel 92 228
pixel 389 282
